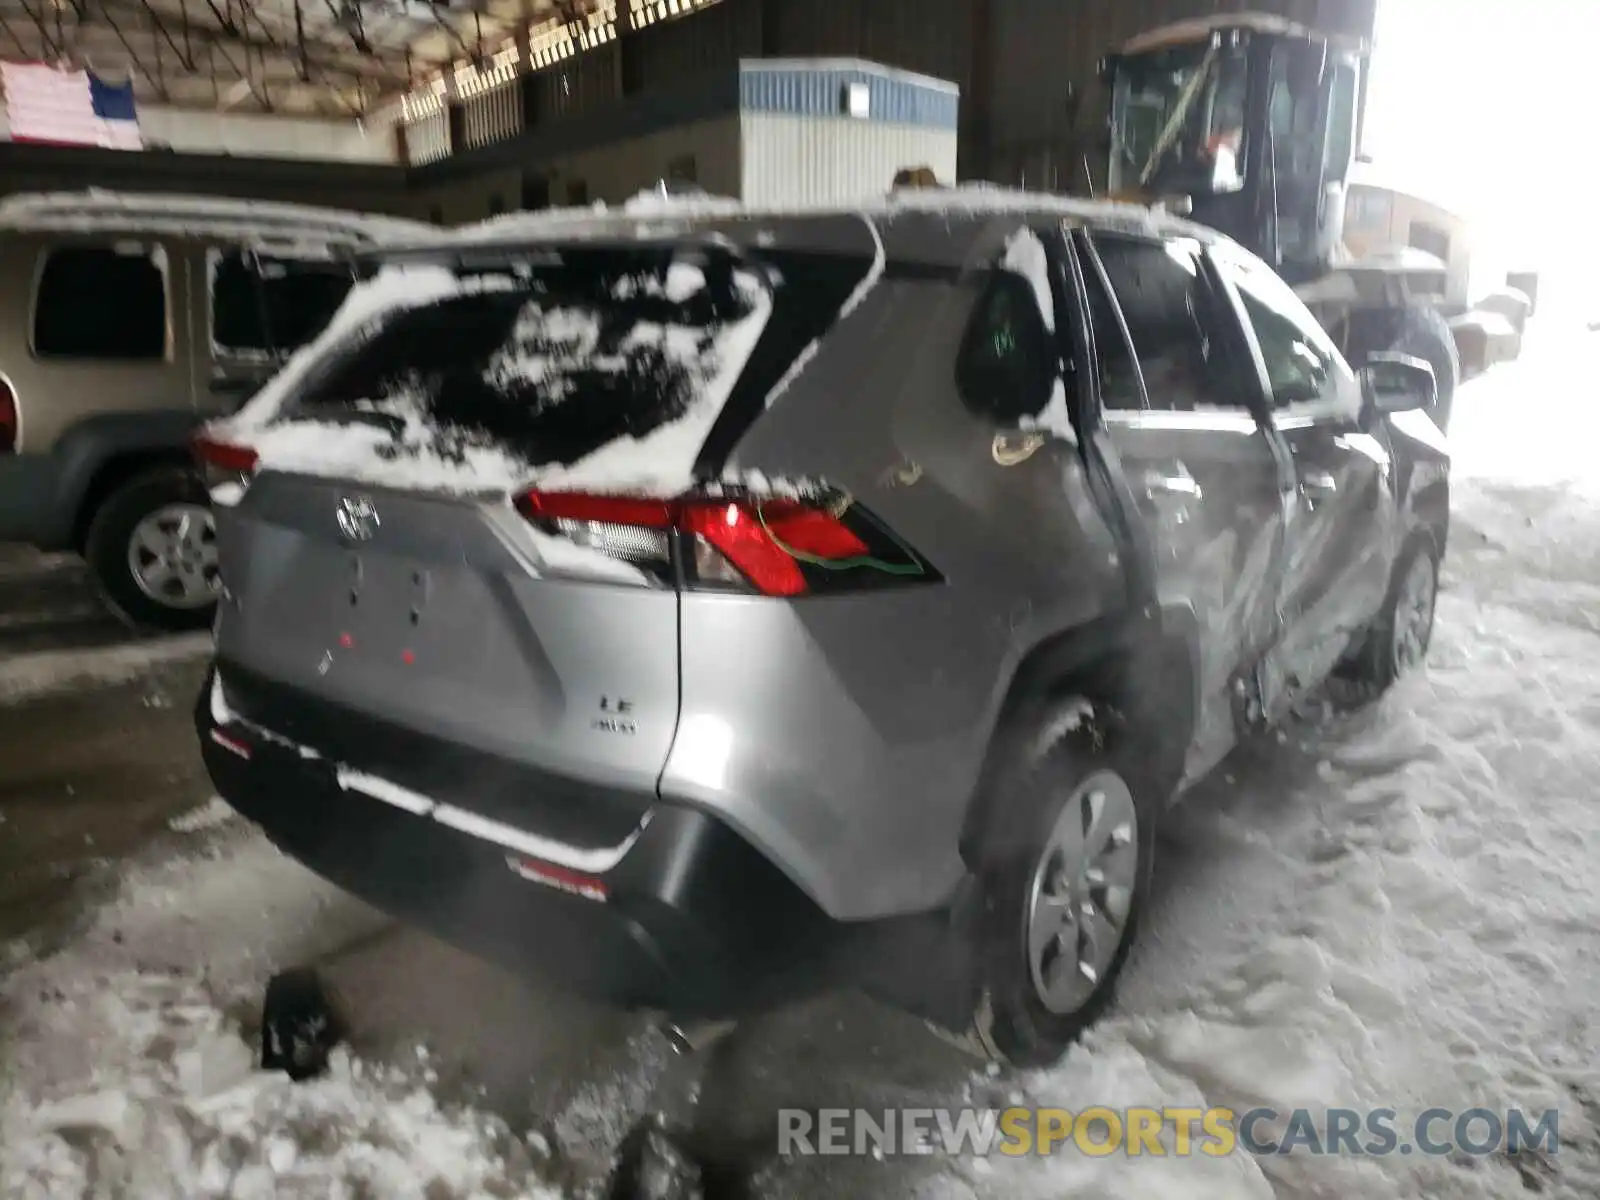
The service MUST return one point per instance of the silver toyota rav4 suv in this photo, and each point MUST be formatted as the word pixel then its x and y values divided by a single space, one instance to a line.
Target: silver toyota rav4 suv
pixel 702 609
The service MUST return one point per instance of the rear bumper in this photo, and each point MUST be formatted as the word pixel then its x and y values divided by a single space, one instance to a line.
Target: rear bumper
pixel 691 920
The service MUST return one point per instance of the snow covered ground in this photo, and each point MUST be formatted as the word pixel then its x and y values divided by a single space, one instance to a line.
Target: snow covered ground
pixel 1392 909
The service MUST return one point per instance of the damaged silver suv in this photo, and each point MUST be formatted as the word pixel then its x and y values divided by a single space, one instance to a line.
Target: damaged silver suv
pixel 704 610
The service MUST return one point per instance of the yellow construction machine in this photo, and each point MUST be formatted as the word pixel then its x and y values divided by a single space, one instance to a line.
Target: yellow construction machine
pixel 1247 123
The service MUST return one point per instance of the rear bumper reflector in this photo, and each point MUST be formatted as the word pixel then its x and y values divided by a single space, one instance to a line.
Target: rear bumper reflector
pixel 559 878
pixel 230 744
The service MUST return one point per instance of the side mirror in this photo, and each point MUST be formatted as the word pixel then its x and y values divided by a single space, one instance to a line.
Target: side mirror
pixel 1396 383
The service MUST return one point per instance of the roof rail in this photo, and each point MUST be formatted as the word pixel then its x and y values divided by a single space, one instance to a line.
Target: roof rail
pixel 95 210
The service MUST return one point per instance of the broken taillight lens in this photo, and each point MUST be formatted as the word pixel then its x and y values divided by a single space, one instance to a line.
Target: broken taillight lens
pixel 215 454
pixel 776 547
pixel 10 419
pixel 224 466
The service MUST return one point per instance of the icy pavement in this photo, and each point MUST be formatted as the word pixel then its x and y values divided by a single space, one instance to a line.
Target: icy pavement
pixel 1395 909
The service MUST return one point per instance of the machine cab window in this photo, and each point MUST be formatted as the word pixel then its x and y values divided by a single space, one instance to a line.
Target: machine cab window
pixel 1178 120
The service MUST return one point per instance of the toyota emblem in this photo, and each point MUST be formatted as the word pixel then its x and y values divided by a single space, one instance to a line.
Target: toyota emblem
pixel 357 517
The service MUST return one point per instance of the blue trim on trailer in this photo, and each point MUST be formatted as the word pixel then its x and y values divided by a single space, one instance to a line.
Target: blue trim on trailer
pixel 893 97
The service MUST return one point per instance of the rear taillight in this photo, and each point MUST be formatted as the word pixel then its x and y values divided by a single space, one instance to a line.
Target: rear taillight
pixel 777 547
pixel 226 467
pixel 224 456
pixel 9 419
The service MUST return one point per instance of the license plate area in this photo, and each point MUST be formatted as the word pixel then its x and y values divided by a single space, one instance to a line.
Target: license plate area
pixel 395 613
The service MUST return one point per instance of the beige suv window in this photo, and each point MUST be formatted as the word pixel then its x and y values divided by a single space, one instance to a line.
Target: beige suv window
pixel 104 303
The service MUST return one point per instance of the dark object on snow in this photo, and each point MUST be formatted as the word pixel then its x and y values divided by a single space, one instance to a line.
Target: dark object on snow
pixel 654 1164
pixel 299 1025
pixel 663 1157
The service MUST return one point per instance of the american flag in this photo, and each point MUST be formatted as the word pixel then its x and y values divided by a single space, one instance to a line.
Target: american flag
pixel 68 108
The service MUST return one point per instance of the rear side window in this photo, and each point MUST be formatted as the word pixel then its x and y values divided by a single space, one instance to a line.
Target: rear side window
pixel 102 303
pixel 1172 318
pixel 262 306
pixel 1005 364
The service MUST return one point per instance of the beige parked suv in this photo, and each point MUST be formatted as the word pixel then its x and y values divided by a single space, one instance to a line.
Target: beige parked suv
pixel 125 321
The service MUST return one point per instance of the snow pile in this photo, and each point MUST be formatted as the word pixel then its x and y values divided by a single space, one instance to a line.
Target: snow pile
pixel 214 813
pixel 124 1071
pixel 172 1106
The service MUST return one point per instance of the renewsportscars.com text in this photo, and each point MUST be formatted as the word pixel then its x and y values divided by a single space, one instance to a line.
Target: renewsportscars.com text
pixel 1162 1132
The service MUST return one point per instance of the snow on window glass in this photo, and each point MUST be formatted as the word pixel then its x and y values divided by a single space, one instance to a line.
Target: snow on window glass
pixel 609 366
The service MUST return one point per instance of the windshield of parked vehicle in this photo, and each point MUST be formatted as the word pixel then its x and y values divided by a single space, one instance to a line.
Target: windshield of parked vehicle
pixel 1177 120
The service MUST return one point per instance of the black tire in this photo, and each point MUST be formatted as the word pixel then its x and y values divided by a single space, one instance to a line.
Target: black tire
pixel 1058 763
pixel 1381 661
pixel 109 540
pixel 1416 330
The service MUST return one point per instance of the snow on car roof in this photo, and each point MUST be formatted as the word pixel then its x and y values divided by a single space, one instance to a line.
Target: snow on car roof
pixel 96 210
pixel 972 202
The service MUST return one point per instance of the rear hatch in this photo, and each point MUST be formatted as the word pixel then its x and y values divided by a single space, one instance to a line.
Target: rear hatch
pixel 456 559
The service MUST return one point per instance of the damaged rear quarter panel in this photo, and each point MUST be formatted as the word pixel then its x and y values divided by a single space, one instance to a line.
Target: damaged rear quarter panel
pixel 849 730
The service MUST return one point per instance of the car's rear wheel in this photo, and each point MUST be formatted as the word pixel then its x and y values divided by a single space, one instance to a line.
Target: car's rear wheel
pixel 1064 891
pixel 153 550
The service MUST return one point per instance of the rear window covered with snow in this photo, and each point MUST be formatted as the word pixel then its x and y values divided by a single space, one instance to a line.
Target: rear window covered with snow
pixel 626 362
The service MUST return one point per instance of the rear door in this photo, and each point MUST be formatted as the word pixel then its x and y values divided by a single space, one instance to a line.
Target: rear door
pixel 106 333
pixel 1346 528
pixel 1208 477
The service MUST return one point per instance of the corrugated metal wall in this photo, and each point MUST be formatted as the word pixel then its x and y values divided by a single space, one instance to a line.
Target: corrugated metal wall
pixel 806 160
pixel 665 56
pixel 491 116
pixel 428 140
pixel 580 84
